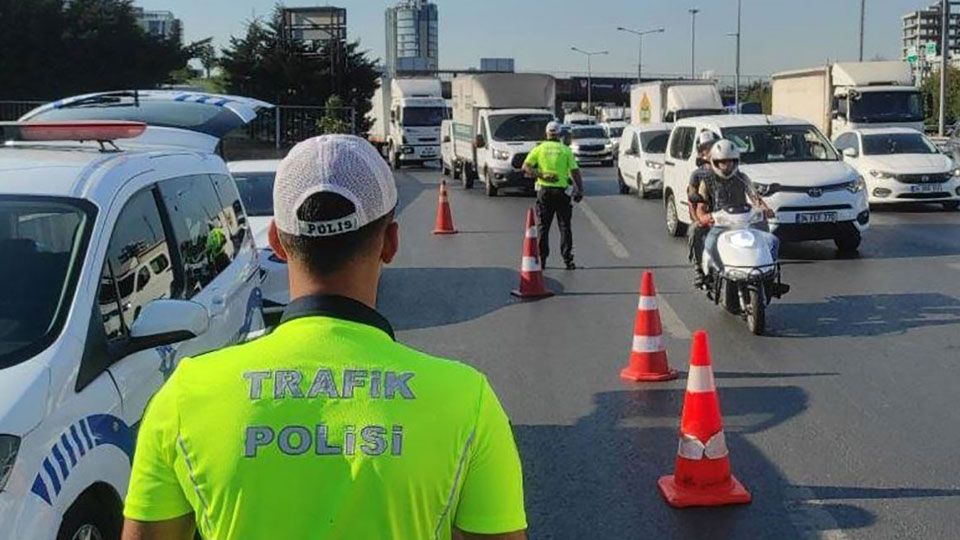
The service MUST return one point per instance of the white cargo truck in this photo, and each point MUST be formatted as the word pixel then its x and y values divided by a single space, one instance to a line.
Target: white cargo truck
pixel 850 95
pixel 613 114
pixel 668 101
pixel 497 119
pixel 406 117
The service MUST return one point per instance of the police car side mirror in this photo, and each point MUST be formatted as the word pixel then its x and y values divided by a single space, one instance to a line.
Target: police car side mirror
pixel 165 322
pixel 850 152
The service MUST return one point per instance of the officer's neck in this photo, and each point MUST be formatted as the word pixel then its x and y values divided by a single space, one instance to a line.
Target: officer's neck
pixel 357 281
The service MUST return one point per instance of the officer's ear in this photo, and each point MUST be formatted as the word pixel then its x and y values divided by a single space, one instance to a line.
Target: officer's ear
pixel 274 240
pixel 391 242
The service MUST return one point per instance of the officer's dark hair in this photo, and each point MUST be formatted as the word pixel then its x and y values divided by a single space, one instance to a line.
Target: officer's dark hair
pixel 328 254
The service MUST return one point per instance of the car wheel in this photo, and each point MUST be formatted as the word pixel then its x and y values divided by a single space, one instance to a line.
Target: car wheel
pixel 623 187
pixel 848 242
pixel 489 188
pixel 91 518
pixel 951 206
pixel 674 226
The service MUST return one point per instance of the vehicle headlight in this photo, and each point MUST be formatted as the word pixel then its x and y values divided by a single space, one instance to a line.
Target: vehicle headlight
pixel 857 185
pixel 955 172
pixel 762 189
pixel 9 446
pixel 502 155
pixel 655 165
pixel 407 149
pixel 881 174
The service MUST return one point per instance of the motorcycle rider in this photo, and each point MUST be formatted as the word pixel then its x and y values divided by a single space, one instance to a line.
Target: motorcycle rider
pixel 705 142
pixel 725 186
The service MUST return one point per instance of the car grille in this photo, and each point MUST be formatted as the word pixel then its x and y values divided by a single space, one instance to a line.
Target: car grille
pixel 807 190
pixel 518 160
pixel 923 178
pixel 591 148
pixel 921 196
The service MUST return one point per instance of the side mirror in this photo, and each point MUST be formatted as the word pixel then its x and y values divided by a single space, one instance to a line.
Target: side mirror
pixel 164 322
pixel 850 152
pixel 629 152
pixel 446 138
pixel 479 142
pixel 773 188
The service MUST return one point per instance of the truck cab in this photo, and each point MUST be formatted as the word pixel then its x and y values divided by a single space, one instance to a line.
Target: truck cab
pixel 860 107
pixel 504 138
pixel 415 131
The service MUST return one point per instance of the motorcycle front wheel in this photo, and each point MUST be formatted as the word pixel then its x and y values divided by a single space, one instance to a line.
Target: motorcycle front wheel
pixel 756 311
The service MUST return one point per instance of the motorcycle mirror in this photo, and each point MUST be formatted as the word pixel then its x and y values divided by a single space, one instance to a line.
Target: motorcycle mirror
pixel 774 188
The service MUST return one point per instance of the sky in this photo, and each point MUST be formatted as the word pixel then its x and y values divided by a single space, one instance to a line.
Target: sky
pixel 776 34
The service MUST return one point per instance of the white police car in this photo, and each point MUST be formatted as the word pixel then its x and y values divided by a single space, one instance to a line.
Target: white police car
pixel 117 259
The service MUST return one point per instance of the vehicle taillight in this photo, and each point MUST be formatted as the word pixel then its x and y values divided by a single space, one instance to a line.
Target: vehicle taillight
pixel 71 131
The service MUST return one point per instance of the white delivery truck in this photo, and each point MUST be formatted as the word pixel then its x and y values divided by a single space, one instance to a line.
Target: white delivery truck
pixel 850 95
pixel 406 118
pixel 497 119
pixel 613 114
pixel 668 101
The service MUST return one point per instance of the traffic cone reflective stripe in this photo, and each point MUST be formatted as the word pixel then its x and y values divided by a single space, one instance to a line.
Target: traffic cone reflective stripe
pixel 702 476
pixel 444 221
pixel 648 358
pixel 531 274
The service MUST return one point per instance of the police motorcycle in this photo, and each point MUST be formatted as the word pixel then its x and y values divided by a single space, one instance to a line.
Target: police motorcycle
pixel 743 271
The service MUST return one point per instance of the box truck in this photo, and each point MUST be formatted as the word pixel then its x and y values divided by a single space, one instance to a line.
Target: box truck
pixel 668 101
pixel 406 117
pixel 849 95
pixel 497 119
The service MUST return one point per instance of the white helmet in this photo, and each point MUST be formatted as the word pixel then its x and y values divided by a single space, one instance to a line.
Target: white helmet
pixel 724 150
pixel 553 129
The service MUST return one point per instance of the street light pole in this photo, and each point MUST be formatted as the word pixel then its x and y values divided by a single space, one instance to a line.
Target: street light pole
pixel 944 55
pixel 736 83
pixel 640 49
pixel 863 6
pixel 589 56
pixel 693 42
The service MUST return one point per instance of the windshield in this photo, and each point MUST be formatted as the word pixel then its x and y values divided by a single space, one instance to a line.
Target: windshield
pixel 776 144
pixel 199 117
pixel 654 142
pixel 897 143
pixel 422 116
pixel 692 113
pixel 520 127
pixel 256 191
pixel 42 243
pixel 615 132
pixel 589 133
pixel 878 107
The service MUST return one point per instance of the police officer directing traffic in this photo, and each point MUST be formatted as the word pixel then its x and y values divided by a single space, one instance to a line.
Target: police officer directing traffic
pixel 554 165
pixel 327 427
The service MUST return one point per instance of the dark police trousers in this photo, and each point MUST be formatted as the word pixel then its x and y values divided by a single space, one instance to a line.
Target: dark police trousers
pixel 552 201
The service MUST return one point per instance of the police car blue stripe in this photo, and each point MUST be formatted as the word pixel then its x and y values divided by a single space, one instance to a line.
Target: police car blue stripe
pixel 181 97
pixel 69 449
pixel 52 474
pixel 76 439
pixel 221 102
pixel 40 489
pixel 86 433
pixel 60 461
pixel 108 429
pixel 202 99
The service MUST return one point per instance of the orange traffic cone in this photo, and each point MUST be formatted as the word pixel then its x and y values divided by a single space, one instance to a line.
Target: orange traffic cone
pixel 702 476
pixel 444 222
pixel 648 358
pixel 531 275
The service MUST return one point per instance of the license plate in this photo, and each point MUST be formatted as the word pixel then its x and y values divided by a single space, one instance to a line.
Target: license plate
pixel 926 188
pixel 817 217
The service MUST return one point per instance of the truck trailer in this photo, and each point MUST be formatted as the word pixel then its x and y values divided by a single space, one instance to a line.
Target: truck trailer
pixel 668 101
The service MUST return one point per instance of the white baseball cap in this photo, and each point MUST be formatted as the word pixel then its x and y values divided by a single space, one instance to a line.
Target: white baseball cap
pixel 706 137
pixel 342 164
pixel 553 128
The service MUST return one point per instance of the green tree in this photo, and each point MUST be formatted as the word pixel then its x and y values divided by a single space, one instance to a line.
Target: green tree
pixel 336 118
pixel 759 92
pixel 930 90
pixel 207 54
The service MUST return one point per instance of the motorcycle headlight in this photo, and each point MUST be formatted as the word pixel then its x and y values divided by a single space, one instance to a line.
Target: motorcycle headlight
pixel 857 185
pixel 881 174
pixel 502 155
pixel 9 446
pixel 654 165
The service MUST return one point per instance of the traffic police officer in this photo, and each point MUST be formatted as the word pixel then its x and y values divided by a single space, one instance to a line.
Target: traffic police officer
pixel 327 427
pixel 554 165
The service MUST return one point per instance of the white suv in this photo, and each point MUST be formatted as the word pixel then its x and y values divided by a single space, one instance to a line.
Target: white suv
pixel 798 172
pixel 115 263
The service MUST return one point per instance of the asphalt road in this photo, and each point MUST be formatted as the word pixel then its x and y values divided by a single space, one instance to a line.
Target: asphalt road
pixel 842 422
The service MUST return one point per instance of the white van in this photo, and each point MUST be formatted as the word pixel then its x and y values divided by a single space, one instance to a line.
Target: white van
pixel 794 167
pixel 83 347
pixel 640 162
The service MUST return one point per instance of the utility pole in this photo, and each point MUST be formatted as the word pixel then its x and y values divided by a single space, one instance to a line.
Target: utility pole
pixel 589 56
pixel 736 83
pixel 944 56
pixel 863 7
pixel 693 42
pixel 640 50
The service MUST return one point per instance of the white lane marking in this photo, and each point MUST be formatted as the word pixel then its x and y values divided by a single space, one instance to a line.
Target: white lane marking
pixel 671 321
pixel 615 246
pixel 808 515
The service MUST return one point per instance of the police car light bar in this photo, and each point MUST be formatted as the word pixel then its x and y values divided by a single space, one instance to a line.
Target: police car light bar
pixel 100 131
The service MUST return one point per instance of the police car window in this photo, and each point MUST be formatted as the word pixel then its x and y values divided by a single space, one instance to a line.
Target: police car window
pixel 126 283
pixel 46 241
pixel 200 228
pixel 234 217
pixel 256 190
